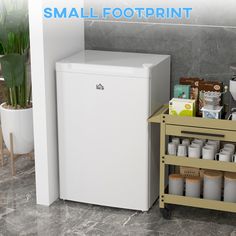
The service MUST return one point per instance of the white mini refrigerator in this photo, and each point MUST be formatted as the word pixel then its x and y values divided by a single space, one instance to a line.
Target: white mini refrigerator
pixel 108 152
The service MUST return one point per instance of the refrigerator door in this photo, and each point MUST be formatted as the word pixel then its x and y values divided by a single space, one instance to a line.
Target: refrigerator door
pixel 103 139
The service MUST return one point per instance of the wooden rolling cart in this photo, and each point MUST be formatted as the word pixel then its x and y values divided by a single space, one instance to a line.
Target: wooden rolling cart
pixel 192 127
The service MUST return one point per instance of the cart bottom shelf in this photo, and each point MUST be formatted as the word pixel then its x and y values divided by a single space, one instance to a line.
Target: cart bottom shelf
pixel 200 203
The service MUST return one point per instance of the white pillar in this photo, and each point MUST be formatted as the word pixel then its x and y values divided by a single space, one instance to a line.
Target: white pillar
pixel 50 40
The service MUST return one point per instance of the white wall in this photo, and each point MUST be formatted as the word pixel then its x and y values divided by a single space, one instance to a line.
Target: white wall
pixel 51 40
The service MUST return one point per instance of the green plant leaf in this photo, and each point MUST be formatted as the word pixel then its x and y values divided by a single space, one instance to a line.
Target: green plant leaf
pixel 1 49
pixel 13 69
pixel 16 21
pixel 3 36
pixel 14 42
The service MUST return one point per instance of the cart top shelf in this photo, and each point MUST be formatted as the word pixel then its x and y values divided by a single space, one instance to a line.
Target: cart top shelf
pixel 162 115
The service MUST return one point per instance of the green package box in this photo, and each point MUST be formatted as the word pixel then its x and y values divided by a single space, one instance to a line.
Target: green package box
pixel 182 107
pixel 182 91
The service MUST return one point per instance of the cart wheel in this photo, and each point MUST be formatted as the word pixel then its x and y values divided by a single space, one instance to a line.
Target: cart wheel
pixel 166 213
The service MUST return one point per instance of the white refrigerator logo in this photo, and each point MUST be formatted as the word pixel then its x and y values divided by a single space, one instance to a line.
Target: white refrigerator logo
pixel 99 87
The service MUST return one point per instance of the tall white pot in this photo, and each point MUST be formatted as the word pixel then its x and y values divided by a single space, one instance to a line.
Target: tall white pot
pixel 20 124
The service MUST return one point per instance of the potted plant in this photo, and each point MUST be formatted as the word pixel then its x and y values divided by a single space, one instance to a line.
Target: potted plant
pixel 1 53
pixel 16 112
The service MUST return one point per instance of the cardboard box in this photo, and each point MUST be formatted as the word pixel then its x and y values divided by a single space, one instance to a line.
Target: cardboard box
pixel 194 83
pixel 182 91
pixel 189 171
pixel 194 90
pixel 182 107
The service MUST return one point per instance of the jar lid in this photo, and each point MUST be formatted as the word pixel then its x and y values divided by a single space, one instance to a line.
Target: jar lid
pixel 213 174
pixel 230 175
pixel 176 176
pixel 193 179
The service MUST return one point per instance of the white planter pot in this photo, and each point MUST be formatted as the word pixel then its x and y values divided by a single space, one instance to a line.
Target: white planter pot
pixel 20 124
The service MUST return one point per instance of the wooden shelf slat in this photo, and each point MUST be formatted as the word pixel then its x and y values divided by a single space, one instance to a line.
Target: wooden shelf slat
pixel 200 203
pixel 191 121
pixel 156 117
pixel 200 163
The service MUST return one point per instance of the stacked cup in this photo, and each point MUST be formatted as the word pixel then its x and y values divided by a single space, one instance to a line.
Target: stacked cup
pixel 175 147
pixel 210 149
pixel 195 149
pixel 226 153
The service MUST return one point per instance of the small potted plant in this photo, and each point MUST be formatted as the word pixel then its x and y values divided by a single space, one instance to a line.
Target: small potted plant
pixel 16 112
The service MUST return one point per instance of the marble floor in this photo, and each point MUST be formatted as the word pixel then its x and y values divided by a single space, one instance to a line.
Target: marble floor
pixel 19 214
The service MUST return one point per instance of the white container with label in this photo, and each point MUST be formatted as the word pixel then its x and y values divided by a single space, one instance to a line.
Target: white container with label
pixel 208 113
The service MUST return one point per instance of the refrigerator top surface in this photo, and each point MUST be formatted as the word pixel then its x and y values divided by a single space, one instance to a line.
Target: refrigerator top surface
pixel 108 62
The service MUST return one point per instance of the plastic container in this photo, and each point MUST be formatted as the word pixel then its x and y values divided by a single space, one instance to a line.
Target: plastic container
pixel 193 187
pixel 230 187
pixel 212 99
pixel 176 184
pixel 212 114
pixel 212 188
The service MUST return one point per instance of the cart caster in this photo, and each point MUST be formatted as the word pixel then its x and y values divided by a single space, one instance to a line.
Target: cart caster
pixel 166 213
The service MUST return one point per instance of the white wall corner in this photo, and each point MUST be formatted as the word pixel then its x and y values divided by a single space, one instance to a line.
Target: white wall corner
pixel 50 41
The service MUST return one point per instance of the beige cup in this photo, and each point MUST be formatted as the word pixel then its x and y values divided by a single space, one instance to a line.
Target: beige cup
pixel 182 150
pixel 202 141
pixel 230 146
pixel 186 142
pixel 176 141
pixel 208 153
pixel 172 149
pixel 198 142
pixel 227 149
pixel 198 145
pixel 194 151
pixel 214 142
pixel 223 156
pixel 212 146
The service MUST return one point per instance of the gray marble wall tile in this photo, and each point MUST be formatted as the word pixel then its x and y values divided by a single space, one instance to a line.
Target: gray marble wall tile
pixel 210 12
pixel 205 52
